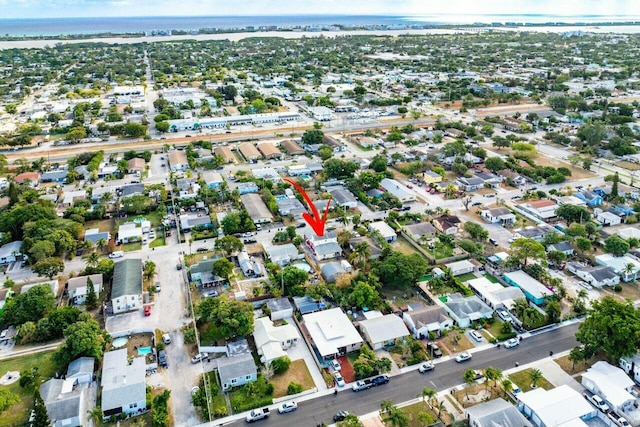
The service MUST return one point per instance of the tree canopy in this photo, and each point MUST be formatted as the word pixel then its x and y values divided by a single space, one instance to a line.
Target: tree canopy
pixel 524 249
pixel 232 318
pixel 398 270
pixel 29 306
pixel 610 326
pixel 82 339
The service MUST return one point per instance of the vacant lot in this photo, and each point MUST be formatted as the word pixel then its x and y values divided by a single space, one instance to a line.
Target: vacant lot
pixel 297 373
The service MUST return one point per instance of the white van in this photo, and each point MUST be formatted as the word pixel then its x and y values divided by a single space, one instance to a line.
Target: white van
pixel 116 254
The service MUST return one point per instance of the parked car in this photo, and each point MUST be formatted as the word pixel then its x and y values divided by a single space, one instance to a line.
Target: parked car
pixel 158 287
pixel 162 358
pixel 198 357
pixel 516 198
pixel 379 380
pixel 434 350
pixel 116 254
pixel 504 314
pixel 339 380
pixel 249 241
pixel 426 367
pixel 490 195
pixel 147 310
pixel 463 357
pixel 166 339
pixel 513 342
pixel 210 294
pixel 178 266
pixel 598 403
pixel 476 336
pixel 202 249
pixel 340 416
pixel 335 365
pixel 287 407
pixel 476 204
pixel 621 421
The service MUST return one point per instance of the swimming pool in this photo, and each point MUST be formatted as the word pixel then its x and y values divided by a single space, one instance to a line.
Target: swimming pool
pixel 281 197
pixel 120 342
pixel 302 266
pixel 144 350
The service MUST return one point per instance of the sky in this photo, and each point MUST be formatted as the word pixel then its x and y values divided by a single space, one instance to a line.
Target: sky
pixel 111 8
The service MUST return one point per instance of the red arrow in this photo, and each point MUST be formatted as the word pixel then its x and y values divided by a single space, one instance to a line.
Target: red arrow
pixel 314 221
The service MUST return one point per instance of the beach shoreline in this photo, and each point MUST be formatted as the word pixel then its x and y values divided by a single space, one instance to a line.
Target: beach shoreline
pixel 43 43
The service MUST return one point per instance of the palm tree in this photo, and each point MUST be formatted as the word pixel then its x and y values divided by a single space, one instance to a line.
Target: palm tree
pixel 363 252
pixel 425 419
pixel 385 406
pixel 628 269
pixel 469 377
pixel 93 259
pixel 535 375
pixel 493 374
pixel 507 385
pixel 427 393
pixel 404 347
pixel 441 408
pixel 95 414
pixel 267 371
pixel 101 244
pixel 397 418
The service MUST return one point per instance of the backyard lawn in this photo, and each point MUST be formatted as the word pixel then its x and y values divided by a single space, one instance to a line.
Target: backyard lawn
pixel 19 413
pixel 490 278
pixel 414 411
pixel 297 373
pixel 466 277
pixel 523 380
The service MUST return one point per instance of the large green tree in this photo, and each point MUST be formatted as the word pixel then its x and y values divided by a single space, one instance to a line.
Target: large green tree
pixel 48 267
pixel 229 244
pixel 611 326
pixel 222 267
pixel 82 339
pixel 231 318
pixel 572 213
pixel 616 245
pixel 29 306
pixel 523 249
pixel 398 270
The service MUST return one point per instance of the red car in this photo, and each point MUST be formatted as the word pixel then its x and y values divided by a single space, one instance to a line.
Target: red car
pixel 147 310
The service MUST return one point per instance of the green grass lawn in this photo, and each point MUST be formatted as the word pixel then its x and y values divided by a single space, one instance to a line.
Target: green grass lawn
pixel 19 413
pixel 466 277
pixel 490 278
pixel 249 396
pixel 523 380
pixel 208 334
pixel 129 247
pixel 157 242
pixel 413 414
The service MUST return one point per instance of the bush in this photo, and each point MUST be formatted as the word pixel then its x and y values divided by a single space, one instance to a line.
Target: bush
pixel 504 337
pixel 294 388
pixel 280 364
pixel 617 288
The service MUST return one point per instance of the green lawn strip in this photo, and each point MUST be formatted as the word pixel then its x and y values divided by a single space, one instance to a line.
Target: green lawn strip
pixel 130 247
pixel 490 278
pixel 19 413
pixel 157 242
pixel 414 410
pixel 466 277
pixel 523 380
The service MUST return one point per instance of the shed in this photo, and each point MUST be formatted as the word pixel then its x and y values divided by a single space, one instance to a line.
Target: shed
pixel 280 308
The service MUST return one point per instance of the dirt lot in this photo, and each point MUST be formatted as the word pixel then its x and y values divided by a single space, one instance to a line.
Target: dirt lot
pixel 297 373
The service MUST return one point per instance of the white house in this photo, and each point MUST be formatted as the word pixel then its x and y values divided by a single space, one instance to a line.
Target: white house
pixel 383 330
pixel 498 216
pixel 597 276
pixel 124 389
pixel 129 232
pixel 610 383
pixel 495 413
pixel 464 310
pixel 237 370
pixel 535 291
pixel 332 333
pixel 627 266
pixel 541 209
pixel 77 287
pixel 427 319
pixel 385 230
pixel 631 365
pixel 323 247
pixel 343 197
pixel 561 406
pixel 273 341
pixel 494 294
pixel 280 309
pixel 399 190
pixel 126 288
pixel 178 161
pixel 282 254
pixel 607 218
pixel 10 252
pixel 460 267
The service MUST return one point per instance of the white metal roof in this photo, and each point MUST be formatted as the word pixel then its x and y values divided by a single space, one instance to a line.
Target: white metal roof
pixel 330 330
pixel 557 407
pixel 384 328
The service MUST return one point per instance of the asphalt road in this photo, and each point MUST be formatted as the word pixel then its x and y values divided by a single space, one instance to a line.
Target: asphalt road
pixel 407 386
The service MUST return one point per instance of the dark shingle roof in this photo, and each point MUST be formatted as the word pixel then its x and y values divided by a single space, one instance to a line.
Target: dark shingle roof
pixel 127 278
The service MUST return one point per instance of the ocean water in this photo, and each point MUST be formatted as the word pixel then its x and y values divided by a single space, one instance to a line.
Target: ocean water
pixel 75 26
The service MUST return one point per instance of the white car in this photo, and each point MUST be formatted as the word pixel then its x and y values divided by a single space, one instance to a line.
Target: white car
pixel 335 365
pixel 513 342
pixel 426 367
pixel 463 357
pixel 198 357
pixel 166 339
pixel 599 403
pixel 287 407
pixel 339 380
pixel 476 336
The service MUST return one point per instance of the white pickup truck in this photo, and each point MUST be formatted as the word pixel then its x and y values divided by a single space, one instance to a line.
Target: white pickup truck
pixel 257 414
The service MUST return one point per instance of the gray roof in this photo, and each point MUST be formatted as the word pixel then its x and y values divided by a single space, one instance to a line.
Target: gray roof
pixel 341 195
pixel 132 189
pixel 290 205
pixel 61 406
pixel 206 265
pixel 427 315
pixel 256 207
pixel 328 248
pixel 421 229
pixel 122 383
pixel 127 278
pixel 600 273
pixel 93 238
pixel 467 307
pixel 10 248
pixel 278 253
pixel 561 247
pixel 55 175
pixel 236 367
pixel 332 270
pixel 82 365
pixel 280 304
pixel 498 413
pixel 499 212
pixel 535 231
pixel 471 181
